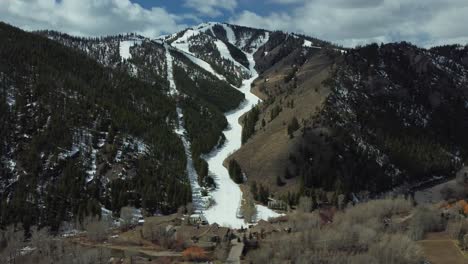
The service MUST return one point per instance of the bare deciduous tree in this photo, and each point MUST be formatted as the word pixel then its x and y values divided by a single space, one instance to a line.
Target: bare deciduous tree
pixel 127 216
pixel 305 204
pixel 249 211
pixel 97 229
pixel 424 220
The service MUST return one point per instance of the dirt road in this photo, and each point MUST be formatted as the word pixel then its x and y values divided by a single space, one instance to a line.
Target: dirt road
pixel 236 252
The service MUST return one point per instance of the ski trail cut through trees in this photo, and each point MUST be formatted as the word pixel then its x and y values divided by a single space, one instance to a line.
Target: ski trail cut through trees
pixel 197 199
pixel 228 195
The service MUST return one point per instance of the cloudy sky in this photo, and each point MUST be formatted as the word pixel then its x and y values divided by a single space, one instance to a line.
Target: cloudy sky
pixel 347 22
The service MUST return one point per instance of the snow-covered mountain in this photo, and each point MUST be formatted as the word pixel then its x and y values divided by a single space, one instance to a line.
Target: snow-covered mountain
pixel 162 114
pixel 191 82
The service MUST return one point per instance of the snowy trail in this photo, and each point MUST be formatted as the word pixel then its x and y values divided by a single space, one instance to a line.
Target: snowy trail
pixel 197 199
pixel 226 54
pixel 170 71
pixel 228 194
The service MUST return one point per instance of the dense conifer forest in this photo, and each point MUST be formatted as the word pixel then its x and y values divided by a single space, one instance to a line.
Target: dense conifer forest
pixel 67 122
pixel 388 114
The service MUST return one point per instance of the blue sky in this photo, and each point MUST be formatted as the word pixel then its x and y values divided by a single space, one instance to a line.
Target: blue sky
pixel 346 22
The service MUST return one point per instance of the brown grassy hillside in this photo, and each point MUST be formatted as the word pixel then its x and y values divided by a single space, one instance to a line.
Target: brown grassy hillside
pixel 265 155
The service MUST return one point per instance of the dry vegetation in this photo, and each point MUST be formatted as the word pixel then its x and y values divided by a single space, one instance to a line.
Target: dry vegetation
pixel 390 231
pixel 197 254
pixel 42 248
pixel 264 156
pixel 380 231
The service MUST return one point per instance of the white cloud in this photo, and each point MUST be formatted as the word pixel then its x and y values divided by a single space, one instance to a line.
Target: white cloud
pixel 348 22
pixel 351 22
pixel 89 17
pixel 211 8
pixel 287 1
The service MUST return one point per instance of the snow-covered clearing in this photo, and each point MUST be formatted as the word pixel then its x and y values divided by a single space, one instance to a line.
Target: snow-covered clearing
pixel 228 195
pixel 125 48
pixel 309 44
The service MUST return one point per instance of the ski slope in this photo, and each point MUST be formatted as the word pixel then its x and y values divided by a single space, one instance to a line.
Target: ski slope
pixel 228 195
pixel 226 54
pixel 197 199
pixel 229 34
pixel 204 65
pixel 170 71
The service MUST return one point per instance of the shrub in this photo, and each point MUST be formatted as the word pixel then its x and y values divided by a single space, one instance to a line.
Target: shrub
pixel 195 254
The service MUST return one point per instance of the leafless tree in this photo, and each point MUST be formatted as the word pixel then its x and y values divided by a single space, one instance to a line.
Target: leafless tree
pixel 305 204
pixel 249 211
pixel 396 249
pixel 97 229
pixel 12 243
pixel 127 216
pixel 424 220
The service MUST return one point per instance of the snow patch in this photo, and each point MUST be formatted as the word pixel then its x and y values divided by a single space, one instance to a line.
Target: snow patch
pixel 309 44
pixel 231 37
pixel 140 146
pixel 125 48
pixel 91 173
pixel 11 165
pixel 10 97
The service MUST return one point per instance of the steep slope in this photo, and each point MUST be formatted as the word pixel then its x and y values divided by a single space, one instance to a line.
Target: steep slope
pixel 201 43
pixel 246 46
pixel 79 136
pixel 267 143
pixel 198 69
pixel 390 104
pixel 202 93
pixel 368 120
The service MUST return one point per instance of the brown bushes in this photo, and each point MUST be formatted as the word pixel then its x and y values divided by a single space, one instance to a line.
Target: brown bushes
pixel 195 254
pixel 370 232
